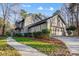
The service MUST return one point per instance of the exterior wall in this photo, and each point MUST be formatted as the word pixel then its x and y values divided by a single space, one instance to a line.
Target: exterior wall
pixel 35 19
pixel 56 25
pixel 38 28
pixel 31 19
pixel 43 26
pixel 28 21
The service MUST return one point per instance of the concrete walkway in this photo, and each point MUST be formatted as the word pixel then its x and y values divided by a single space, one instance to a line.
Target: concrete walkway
pixel 72 43
pixel 24 50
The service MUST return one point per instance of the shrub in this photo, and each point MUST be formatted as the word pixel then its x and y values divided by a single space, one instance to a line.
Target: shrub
pixel 7 34
pixel 37 34
pixel 40 34
pixel 28 34
pixel 18 35
pixel 45 31
pixel 71 28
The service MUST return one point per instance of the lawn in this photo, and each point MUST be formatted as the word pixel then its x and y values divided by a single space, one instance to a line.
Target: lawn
pixel 5 49
pixel 45 47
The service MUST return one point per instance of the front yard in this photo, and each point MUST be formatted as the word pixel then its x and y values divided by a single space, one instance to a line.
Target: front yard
pixel 5 49
pixel 48 47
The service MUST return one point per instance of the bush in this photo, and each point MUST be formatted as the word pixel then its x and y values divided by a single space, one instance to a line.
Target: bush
pixel 18 35
pixel 37 34
pixel 45 31
pixel 40 34
pixel 7 34
pixel 28 34
pixel 71 28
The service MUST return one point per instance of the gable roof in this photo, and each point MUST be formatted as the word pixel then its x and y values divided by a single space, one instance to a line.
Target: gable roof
pixel 45 20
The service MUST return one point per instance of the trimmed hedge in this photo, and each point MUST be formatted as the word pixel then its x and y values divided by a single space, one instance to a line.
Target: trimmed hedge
pixel 40 34
pixel 28 34
pixel 18 35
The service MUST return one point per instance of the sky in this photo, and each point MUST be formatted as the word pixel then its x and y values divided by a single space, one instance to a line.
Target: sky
pixel 45 8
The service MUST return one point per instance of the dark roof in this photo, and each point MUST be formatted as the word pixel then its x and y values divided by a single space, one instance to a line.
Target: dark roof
pixel 40 22
pixel 45 20
pixel 17 28
pixel 20 21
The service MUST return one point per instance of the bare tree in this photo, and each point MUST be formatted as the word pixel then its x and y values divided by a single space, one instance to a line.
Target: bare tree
pixel 6 11
pixel 70 11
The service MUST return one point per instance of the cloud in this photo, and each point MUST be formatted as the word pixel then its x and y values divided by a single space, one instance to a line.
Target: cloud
pixel 24 5
pixel 28 5
pixel 40 8
pixel 51 8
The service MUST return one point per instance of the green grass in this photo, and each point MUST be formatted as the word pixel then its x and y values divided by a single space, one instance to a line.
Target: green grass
pixel 5 49
pixel 44 47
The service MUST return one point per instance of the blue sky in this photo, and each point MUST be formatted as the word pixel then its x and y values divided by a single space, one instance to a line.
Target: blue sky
pixel 44 8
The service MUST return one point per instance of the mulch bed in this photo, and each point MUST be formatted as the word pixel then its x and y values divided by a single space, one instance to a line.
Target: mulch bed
pixel 62 51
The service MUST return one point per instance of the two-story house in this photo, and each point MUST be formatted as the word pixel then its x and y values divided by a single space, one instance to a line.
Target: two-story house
pixel 22 26
pixel 55 24
pixel 35 23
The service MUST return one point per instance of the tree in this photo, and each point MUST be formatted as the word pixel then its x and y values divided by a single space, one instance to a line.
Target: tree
pixel 6 11
pixel 23 14
pixel 72 11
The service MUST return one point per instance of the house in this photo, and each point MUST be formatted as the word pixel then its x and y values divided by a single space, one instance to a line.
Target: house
pixel 55 24
pixel 35 23
pixel 19 26
pixel 22 26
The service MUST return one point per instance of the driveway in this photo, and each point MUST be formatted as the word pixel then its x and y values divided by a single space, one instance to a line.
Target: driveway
pixel 72 43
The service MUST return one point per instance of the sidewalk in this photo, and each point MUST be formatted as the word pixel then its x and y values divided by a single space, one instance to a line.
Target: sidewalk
pixel 24 50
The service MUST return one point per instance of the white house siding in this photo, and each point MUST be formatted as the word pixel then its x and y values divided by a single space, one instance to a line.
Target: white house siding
pixel 43 26
pixel 56 25
pixel 25 29
pixel 28 21
pixel 38 28
pixel 35 19
pixel 31 19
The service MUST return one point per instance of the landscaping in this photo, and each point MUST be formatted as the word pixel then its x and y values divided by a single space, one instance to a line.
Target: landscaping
pixel 50 47
pixel 5 49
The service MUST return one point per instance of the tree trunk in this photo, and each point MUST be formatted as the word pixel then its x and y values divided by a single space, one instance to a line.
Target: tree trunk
pixel 77 18
pixel 3 32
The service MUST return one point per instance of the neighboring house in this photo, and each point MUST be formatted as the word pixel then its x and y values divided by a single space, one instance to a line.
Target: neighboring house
pixel 54 23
